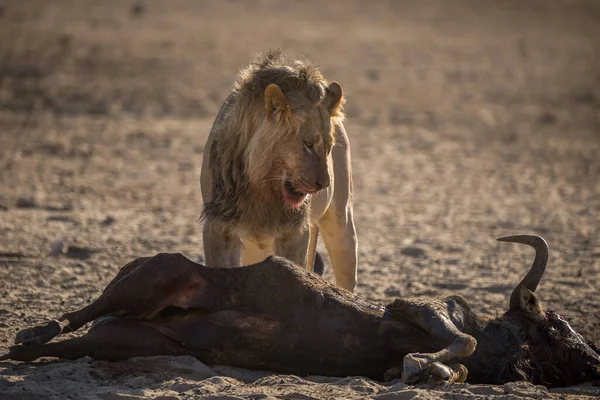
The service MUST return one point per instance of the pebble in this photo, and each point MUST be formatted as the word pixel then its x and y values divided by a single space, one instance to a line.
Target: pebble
pixel 26 202
pixel 57 248
pixel 415 252
pixel 108 220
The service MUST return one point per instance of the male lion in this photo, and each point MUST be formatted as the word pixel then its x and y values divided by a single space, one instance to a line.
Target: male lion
pixel 277 171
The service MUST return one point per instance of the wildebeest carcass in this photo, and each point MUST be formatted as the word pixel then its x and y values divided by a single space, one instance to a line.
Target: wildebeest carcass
pixel 276 316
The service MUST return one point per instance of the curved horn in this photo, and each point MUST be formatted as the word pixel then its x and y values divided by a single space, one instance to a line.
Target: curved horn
pixel 533 277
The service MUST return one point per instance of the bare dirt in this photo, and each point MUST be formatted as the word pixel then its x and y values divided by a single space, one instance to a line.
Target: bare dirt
pixel 469 120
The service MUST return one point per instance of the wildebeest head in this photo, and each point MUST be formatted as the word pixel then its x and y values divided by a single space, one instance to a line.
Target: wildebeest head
pixel 553 354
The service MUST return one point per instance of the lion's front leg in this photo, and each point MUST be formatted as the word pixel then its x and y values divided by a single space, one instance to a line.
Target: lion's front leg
pixel 221 247
pixel 339 235
pixel 294 247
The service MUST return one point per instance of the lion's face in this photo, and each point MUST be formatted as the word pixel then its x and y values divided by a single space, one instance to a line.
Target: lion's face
pixel 305 167
pixel 301 165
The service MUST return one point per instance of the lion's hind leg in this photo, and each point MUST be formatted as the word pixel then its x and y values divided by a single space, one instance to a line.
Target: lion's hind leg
pixel 432 317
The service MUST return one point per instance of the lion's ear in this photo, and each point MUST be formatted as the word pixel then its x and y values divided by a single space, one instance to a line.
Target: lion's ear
pixel 334 99
pixel 275 101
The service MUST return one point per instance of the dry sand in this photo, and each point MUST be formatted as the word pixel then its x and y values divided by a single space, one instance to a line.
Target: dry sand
pixel 469 120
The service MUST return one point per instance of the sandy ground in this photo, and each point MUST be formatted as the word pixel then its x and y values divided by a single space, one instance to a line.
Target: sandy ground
pixel 469 120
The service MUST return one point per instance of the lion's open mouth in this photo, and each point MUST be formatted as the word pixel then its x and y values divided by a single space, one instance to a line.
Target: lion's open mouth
pixel 293 197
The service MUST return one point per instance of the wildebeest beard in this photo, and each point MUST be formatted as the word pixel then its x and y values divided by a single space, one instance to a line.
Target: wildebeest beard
pixel 551 361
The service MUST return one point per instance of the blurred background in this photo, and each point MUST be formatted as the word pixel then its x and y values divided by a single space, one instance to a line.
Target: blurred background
pixel 469 120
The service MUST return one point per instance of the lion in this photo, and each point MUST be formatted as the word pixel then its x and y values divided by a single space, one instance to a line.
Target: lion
pixel 277 171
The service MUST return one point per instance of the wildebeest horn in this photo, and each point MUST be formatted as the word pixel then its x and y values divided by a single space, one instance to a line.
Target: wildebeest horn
pixel 536 272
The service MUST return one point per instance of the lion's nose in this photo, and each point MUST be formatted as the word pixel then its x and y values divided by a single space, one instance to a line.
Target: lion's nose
pixel 321 184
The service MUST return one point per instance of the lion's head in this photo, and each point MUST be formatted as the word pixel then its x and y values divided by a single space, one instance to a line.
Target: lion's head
pixel 294 111
pixel 276 138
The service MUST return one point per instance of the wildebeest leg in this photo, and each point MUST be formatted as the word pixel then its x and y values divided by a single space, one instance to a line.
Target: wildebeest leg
pixel 433 318
pixel 141 290
pixel 228 336
pixel 115 339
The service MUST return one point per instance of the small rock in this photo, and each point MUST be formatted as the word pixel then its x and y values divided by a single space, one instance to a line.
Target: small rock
pixel 415 252
pixel 57 248
pixel 12 254
pixel 385 257
pixel 79 252
pixel 60 218
pixel 398 395
pixel 372 74
pixel 547 118
pixel 108 220
pixel 526 390
pixel 41 283
pixel 58 207
pixel 180 387
pixel 137 10
pixel 26 202
pixel 393 292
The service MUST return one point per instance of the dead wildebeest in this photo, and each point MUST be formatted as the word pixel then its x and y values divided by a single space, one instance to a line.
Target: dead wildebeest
pixel 276 316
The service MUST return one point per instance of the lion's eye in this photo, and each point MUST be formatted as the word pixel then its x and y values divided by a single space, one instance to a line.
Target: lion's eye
pixel 308 145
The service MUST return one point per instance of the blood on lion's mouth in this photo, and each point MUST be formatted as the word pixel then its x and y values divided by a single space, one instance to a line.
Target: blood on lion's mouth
pixel 293 197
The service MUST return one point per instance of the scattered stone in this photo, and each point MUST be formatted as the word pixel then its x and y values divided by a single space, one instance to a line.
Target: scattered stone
pixel 79 252
pixel 398 395
pixel 118 396
pixel 485 390
pixel 137 10
pixel 57 248
pixel 415 252
pixel 26 202
pixel 12 254
pixel 396 386
pixel 58 207
pixel 392 292
pixel 526 390
pixel 450 285
pixel 108 220
pixel 547 118
pixel 372 74
pixel 385 257
pixel 60 218
pixel 181 387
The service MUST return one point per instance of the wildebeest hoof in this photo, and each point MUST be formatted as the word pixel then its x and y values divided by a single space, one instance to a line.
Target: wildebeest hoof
pixel 413 368
pixel 38 335
pixel 447 373
pixel 420 368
